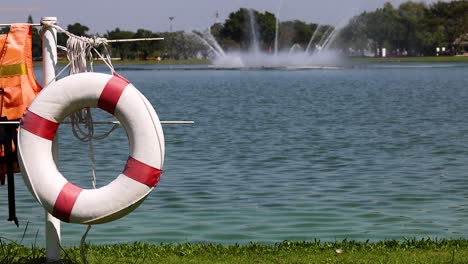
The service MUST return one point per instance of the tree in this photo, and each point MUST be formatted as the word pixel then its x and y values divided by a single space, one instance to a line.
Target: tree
pixel 413 28
pixel 121 49
pixel 353 38
pixel 216 29
pixel 412 16
pixel 286 34
pixel 36 41
pixel 385 28
pixel 234 27
pixel 448 20
pixel 143 48
pixel 267 27
pixel 237 31
pixel 238 28
pixel 78 29
pixel 302 33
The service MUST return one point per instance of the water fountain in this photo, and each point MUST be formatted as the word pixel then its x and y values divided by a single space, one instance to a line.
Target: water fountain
pixel 318 55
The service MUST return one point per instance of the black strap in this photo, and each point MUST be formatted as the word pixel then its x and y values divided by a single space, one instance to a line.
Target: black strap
pixel 10 135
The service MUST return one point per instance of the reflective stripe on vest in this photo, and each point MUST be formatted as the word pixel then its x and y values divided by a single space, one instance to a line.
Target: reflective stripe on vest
pixel 13 70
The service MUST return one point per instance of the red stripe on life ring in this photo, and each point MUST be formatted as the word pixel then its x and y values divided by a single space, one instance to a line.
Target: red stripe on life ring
pixel 111 94
pixel 65 201
pixel 142 172
pixel 38 125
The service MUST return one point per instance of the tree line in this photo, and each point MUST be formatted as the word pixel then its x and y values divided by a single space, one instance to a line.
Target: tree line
pixel 413 29
pixel 237 33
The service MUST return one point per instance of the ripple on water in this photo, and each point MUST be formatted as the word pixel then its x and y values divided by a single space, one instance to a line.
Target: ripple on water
pixel 276 155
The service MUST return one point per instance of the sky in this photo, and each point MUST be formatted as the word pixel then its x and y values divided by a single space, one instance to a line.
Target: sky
pixel 103 15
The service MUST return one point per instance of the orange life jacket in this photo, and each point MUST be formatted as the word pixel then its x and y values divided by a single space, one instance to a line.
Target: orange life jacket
pixel 16 71
pixel 18 85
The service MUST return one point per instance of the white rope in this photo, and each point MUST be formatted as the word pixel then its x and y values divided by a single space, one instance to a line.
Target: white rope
pixel 82 249
pixel 58 74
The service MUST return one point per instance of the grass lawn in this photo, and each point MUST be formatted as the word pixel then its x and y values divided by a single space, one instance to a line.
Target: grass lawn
pixel 391 251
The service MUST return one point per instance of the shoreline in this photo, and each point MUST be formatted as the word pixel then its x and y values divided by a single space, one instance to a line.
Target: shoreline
pixel 439 59
pixel 387 251
pixel 434 59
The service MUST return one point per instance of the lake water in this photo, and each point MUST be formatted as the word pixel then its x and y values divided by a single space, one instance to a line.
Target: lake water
pixel 375 152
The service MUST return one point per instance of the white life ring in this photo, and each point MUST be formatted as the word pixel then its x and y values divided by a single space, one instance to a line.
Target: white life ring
pixel 39 124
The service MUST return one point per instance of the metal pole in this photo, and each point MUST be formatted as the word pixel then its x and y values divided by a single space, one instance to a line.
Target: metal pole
pixel 131 40
pixel 49 61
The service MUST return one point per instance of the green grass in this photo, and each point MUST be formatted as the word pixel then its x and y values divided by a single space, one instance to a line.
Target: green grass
pixel 391 251
pixel 412 59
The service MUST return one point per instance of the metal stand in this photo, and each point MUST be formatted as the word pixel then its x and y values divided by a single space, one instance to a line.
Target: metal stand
pixel 49 61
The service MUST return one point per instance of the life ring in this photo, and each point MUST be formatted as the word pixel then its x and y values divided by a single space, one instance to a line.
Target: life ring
pixel 38 127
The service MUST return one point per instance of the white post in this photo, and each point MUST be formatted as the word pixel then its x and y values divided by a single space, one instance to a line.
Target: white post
pixel 49 61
